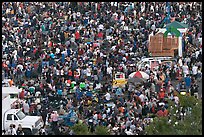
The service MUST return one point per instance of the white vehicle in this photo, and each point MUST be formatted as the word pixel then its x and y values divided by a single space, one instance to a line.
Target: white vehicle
pixel 30 124
pixel 12 91
pixel 5 83
pixel 154 62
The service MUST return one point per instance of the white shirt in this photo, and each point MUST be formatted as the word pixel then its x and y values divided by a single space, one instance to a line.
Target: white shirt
pixel 104 116
pixel 195 70
pixel 62 72
pixel 57 50
pixel 141 97
pixel 197 53
pixel 126 28
pixel 185 68
pixel 98 86
pixel 78 14
pixel 14 131
pixel 101 27
pixel 57 72
pixel 88 72
pixel 26 107
pixel 180 62
pixel 122 18
pixel 176 99
pixel 107 96
pixel 135 13
pixel 109 70
pixel 95 117
pixel 128 132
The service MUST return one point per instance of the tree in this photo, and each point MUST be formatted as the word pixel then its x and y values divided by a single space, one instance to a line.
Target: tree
pixel 101 130
pixel 172 125
pixel 81 129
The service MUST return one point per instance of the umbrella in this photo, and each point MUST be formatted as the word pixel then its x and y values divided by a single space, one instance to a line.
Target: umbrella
pixel 136 80
pixel 139 74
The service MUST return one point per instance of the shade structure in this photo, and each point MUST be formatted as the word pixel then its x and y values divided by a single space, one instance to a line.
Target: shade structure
pixel 139 74
pixel 177 25
pixel 136 80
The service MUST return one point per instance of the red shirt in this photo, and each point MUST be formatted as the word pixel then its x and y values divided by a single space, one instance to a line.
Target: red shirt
pixel 21 95
pixel 50 44
pixel 35 50
pixel 100 35
pixel 98 6
pixel 70 73
pixel 161 94
pixel 77 35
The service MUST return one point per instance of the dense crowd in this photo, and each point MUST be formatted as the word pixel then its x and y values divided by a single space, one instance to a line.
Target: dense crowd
pixel 64 55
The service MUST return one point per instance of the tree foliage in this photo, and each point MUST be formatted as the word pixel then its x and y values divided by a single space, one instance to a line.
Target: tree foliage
pixel 101 130
pixel 191 124
pixel 81 129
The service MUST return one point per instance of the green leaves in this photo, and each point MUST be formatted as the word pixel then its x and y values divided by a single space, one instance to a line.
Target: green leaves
pixel 191 125
pixel 101 130
pixel 80 129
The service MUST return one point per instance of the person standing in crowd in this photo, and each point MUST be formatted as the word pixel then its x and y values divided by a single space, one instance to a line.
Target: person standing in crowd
pixel 188 82
pixel 69 52
pixel 20 130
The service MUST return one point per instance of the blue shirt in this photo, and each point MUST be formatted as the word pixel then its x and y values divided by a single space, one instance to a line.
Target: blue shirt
pixel 188 81
pixel 89 94
pixel 59 91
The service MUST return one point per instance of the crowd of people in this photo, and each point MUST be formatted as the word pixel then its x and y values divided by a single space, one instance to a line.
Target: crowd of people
pixel 64 55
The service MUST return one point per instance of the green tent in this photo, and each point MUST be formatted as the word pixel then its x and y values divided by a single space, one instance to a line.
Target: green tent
pixel 173 31
pixel 177 25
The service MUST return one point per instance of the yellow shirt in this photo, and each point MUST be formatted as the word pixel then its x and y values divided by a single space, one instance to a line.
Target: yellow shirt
pixel 12 12
pixel 89 102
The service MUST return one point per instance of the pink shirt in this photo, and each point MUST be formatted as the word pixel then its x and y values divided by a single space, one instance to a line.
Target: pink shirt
pixel 54 117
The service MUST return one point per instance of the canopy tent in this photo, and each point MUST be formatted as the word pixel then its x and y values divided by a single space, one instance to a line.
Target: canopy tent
pixel 177 25
pixel 173 31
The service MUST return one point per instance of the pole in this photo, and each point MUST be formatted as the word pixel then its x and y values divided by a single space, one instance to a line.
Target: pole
pixel 180 46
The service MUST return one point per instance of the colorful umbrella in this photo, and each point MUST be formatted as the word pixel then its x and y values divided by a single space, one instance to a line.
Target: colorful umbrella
pixel 139 74
pixel 136 80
